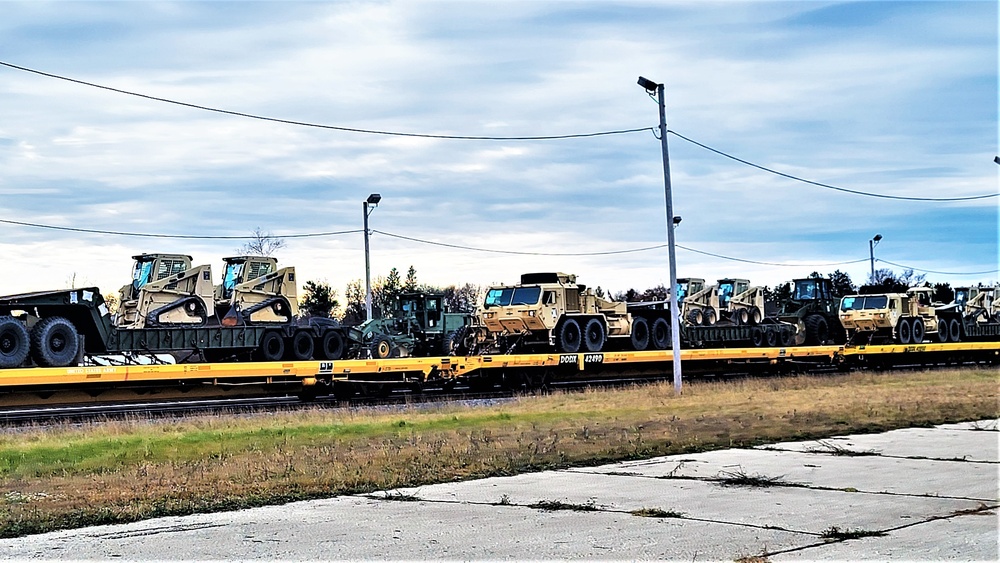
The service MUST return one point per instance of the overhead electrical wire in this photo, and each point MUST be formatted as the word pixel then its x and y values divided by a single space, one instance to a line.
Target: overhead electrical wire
pixel 157 235
pixel 937 272
pixel 491 138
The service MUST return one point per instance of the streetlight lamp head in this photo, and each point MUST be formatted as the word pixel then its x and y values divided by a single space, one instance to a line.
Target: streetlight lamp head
pixel 996 159
pixel 373 199
pixel 677 220
pixel 648 84
pixel 877 238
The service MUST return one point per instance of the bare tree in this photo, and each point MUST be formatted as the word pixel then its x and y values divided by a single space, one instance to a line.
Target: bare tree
pixel 261 244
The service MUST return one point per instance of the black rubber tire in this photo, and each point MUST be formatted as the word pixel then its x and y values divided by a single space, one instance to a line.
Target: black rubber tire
pixel 757 336
pixel 15 344
pixel 271 348
pixel 817 331
pixel 740 317
pixel 904 331
pixel 771 338
pixel 381 347
pixel 330 346
pixel 659 336
pixel 569 337
pixel 454 342
pixel 955 330
pixel 917 332
pixel 754 316
pixel 786 338
pixel 640 334
pixel 695 317
pixel 594 335
pixel 710 318
pixel 54 342
pixel 300 346
pixel 942 332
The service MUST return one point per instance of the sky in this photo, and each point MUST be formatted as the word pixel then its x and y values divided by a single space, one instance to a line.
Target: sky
pixel 897 99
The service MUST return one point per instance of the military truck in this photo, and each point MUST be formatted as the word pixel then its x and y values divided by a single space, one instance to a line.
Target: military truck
pixel 813 309
pixel 906 318
pixel 416 326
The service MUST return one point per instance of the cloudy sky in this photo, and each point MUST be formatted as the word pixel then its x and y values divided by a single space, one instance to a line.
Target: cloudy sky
pixel 897 99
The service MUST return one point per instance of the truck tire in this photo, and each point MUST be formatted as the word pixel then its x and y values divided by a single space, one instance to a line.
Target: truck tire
pixel 381 347
pixel 14 343
pixel 272 347
pixel 753 316
pixel 817 331
pixel 757 336
pixel 710 318
pixel 955 330
pixel 770 337
pixel 594 336
pixel 300 346
pixel 660 335
pixel 640 334
pixel 330 346
pixel 568 337
pixel 454 343
pixel 942 330
pixel 903 331
pixel 917 332
pixel 54 342
pixel 786 338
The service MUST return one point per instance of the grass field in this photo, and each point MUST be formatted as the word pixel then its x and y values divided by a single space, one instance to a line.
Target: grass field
pixel 54 478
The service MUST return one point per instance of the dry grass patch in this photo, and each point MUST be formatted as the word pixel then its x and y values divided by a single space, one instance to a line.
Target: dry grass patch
pixel 125 471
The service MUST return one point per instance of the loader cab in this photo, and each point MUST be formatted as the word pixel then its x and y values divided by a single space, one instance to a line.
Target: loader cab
pixel 425 309
pixel 688 286
pixel 239 269
pixel 812 289
pixel 152 267
pixel 728 288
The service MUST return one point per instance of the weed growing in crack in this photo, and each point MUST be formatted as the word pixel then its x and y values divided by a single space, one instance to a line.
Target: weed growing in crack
pixel 741 478
pixel 504 500
pixel 980 510
pixel 835 533
pixel 752 559
pixel 656 513
pixel 985 426
pixel 552 505
pixel 830 448
pixel 397 496
pixel 623 473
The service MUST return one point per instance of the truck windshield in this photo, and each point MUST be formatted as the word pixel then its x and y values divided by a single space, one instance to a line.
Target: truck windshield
pixel 961 296
pixel 805 290
pixel 682 290
pixel 859 302
pixel 504 297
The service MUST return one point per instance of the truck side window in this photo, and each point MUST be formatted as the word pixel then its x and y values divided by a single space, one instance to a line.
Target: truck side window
pixel 550 298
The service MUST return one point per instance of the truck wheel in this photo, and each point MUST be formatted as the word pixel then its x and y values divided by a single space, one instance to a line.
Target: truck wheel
pixel 568 337
pixel 695 317
pixel 942 332
pixel 770 338
pixel 594 337
pixel 381 347
pixel 817 331
pixel 954 330
pixel 660 336
pixel 300 346
pixel 917 334
pixel 14 343
pixel 454 342
pixel 330 346
pixel 640 334
pixel 272 347
pixel 54 342
pixel 757 336
pixel 903 331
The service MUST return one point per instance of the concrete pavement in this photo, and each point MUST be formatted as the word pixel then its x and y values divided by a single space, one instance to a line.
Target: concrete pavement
pixel 913 494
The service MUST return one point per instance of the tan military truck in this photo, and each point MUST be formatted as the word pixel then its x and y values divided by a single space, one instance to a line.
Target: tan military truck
pixel 907 318
pixel 552 311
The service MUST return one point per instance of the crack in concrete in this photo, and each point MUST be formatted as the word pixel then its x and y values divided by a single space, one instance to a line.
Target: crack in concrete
pixel 872 453
pixel 156 531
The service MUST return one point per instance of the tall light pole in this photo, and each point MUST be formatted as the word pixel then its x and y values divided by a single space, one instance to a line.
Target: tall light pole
pixel 872 243
pixel 675 325
pixel 369 205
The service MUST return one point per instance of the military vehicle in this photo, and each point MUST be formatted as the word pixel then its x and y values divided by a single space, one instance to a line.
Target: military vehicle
pixel 416 326
pixel 978 304
pixel 813 309
pixel 907 318
pixel 730 300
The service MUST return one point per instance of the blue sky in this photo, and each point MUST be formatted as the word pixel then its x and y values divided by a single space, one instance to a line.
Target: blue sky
pixel 893 98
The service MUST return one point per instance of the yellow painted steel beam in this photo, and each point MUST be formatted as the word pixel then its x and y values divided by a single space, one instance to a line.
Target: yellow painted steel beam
pixel 923 347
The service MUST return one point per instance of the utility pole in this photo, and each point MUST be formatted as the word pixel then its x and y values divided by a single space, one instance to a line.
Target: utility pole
pixel 369 205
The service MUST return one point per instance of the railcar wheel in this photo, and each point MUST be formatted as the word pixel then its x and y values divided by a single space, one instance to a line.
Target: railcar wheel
pixel 594 337
pixel 954 330
pixel 272 347
pixel 917 334
pixel 330 346
pixel 942 332
pixel 660 336
pixel 904 331
pixel 568 339
pixel 54 342
pixel 640 334
pixel 300 346
pixel 14 343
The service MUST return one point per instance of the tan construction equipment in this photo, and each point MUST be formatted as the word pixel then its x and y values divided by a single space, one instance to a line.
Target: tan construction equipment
pixel 730 300
pixel 254 290
pixel 166 291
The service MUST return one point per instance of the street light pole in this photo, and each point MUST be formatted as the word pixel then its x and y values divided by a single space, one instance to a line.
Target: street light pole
pixel 369 205
pixel 675 328
pixel 872 243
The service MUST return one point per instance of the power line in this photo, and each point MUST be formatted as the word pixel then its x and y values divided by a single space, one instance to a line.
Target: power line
pixel 333 127
pixel 937 272
pixel 152 235
pixel 822 185
pixel 770 263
